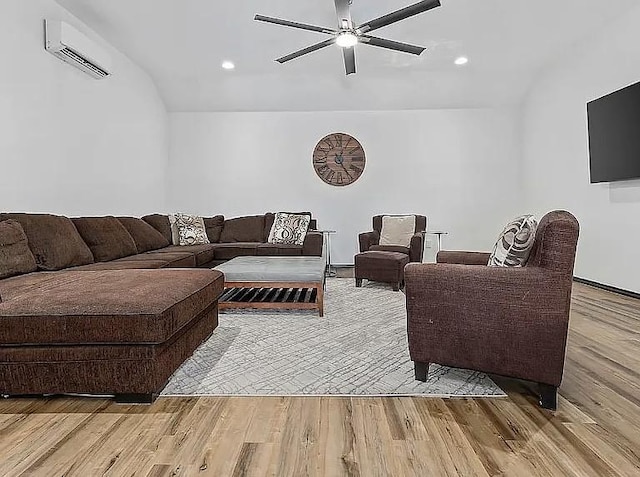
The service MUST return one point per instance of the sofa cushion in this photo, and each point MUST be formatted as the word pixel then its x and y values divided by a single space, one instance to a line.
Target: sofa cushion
pixel 203 253
pixel 243 229
pixel 515 243
pixel 15 256
pixel 161 224
pixel 214 226
pixel 122 264
pixel 171 260
pixel 106 237
pixel 227 251
pixel 144 235
pixel 53 240
pixel 269 219
pixel 108 307
pixel 289 229
pixel 277 249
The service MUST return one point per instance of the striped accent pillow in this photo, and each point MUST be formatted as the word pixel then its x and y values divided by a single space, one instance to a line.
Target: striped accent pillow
pixel 515 243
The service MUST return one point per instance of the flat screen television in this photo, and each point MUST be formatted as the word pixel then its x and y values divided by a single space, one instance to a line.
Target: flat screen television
pixel 614 136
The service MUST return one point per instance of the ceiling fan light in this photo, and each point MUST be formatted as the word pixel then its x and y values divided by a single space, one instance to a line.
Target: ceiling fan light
pixel 346 40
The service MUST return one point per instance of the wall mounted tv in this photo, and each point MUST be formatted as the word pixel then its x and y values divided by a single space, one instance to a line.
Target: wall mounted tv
pixel 614 136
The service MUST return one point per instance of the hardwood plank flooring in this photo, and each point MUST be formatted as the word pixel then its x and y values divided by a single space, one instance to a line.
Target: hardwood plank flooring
pixel 595 432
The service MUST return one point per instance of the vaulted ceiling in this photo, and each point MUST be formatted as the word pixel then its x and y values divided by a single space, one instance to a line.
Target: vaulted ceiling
pixel 182 44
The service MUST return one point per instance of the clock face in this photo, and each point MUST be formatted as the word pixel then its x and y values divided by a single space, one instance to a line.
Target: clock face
pixel 339 159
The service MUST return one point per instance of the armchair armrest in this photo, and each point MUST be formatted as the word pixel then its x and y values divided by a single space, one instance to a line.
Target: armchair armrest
pixel 416 247
pixel 313 244
pixel 507 321
pixel 463 258
pixel 367 239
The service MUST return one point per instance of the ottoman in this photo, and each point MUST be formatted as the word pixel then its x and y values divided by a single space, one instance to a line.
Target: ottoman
pixel 387 267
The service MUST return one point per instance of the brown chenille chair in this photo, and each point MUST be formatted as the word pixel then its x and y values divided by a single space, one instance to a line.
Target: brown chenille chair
pixel 385 263
pixel 369 241
pixel 505 321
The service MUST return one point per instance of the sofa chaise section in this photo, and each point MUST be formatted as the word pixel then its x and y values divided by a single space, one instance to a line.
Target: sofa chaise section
pixel 116 332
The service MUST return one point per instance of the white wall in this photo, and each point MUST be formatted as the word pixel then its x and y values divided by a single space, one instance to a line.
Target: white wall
pixel 68 143
pixel 458 167
pixel 556 158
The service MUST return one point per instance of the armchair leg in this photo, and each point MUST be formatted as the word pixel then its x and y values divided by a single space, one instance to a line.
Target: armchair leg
pixel 548 396
pixel 358 282
pixel 421 370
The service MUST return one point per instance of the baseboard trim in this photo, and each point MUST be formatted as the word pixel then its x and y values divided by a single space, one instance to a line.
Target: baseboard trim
pixel 609 288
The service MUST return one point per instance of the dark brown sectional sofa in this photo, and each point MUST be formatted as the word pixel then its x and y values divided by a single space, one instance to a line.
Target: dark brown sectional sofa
pixel 105 305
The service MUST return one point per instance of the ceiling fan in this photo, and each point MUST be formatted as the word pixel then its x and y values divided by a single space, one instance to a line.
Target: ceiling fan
pixel 348 34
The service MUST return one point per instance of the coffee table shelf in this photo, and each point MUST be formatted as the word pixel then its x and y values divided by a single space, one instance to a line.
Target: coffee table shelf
pixel 273 283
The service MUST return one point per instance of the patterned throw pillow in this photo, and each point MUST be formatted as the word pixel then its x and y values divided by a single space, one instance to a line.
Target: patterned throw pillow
pixel 515 243
pixel 289 229
pixel 190 229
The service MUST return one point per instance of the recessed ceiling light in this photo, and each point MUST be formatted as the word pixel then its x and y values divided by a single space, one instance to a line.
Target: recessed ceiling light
pixel 463 60
pixel 228 65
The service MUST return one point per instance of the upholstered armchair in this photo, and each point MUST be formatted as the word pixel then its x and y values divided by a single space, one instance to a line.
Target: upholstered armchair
pixel 369 241
pixel 505 321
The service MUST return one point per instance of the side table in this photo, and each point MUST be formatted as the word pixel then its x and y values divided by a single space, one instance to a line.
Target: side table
pixel 439 234
pixel 327 251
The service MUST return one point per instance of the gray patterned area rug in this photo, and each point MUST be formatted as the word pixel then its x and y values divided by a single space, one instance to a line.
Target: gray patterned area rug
pixel 359 348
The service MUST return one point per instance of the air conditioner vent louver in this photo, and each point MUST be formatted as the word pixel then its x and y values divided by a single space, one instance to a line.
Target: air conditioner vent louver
pixel 71 46
pixel 73 56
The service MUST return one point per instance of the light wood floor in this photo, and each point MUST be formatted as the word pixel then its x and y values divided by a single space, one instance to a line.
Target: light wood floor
pixel 596 430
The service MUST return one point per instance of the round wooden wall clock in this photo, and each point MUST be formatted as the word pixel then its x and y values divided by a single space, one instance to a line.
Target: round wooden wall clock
pixel 339 159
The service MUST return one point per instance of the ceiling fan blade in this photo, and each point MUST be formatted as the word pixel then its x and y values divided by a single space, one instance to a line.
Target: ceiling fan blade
pixel 344 14
pixel 304 51
pixel 399 15
pixel 349 60
pixel 300 26
pixel 392 45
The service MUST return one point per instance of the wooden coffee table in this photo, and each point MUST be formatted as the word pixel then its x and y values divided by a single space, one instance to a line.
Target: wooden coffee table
pixel 273 283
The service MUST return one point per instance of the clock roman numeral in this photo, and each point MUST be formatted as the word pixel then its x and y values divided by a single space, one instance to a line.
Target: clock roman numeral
pixel 355 169
pixel 323 169
pixel 330 175
pixel 340 180
pixel 320 160
pixel 358 159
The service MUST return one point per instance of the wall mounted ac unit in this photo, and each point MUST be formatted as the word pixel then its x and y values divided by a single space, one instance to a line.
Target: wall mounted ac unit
pixel 71 46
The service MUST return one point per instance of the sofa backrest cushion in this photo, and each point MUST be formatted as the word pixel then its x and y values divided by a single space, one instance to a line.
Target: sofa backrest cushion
pixel 144 235
pixel 106 237
pixel 269 219
pixel 53 240
pixel 243 229
pixel 15 256
pixel 214 226
pixel 161 224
